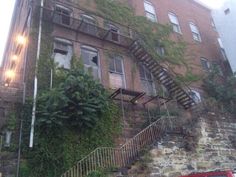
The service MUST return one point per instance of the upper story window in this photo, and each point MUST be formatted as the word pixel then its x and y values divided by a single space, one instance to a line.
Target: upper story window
pixel 222 49
pixel 91 60
pixel 195 32
pixel 160 50
pixel 205 64
pixel 62 53
pixel 174 22
pixel 62 15
pixel 89 24
pixel 114 32
pixel 147 81
pixel 150 11
pixel 116 72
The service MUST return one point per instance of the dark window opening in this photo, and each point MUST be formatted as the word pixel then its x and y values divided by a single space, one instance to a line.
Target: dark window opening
pixel 62 15
pixel 89 25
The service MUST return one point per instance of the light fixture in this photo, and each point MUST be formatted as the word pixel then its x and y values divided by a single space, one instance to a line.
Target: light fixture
pixel 14 57
pixel 21 40
pixel 10 74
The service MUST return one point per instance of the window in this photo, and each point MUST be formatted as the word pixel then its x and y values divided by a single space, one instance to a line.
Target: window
pixel 195 32
pixel 91 61
pixel 150 11
pixel 174 22
pixel 116 73
pixel 217 67
pixel 89 24
pixel 62 53
pixel 147 80
pixel 195 96
pixel 222 49
pixel 205 64
pixel 62 15
pixel 114 33
pixel 160 50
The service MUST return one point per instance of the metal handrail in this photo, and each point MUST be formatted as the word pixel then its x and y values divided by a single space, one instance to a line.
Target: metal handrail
pixel 108 157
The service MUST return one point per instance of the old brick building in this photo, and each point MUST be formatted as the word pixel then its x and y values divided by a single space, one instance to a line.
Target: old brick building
pixel 107 48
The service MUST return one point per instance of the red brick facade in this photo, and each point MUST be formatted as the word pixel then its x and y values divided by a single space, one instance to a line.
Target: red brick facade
pixel 185 10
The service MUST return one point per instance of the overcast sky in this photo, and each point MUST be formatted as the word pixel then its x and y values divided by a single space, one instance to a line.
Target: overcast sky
pixel 6 9
pixel 213 3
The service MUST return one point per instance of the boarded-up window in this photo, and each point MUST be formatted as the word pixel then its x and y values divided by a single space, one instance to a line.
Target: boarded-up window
pixel 116 73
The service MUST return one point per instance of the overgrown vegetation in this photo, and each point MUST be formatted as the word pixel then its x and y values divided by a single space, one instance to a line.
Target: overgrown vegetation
pixel 223 90
pixel 73 118
pixel 151 34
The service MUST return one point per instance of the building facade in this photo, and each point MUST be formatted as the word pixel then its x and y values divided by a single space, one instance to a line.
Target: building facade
pixel 62 30
pixel 224 19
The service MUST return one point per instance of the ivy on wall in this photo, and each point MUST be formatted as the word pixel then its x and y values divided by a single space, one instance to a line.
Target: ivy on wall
pixel 72 119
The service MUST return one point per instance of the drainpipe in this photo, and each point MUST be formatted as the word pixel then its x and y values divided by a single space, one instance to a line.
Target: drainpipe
pixel 36 78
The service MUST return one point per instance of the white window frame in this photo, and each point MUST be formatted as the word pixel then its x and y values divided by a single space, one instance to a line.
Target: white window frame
pixel 202 59
pixel 92 49
pixel 149 11
pixel 154 91
pixel 195 32
pixel 59 17
pixel 68 55
pixel 174 22
pixel 118 73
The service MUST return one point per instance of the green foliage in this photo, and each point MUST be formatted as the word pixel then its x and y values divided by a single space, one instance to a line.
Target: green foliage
pixel 150 34
pixel 11 121
pixel 98 173
pixel 223 90
pixel 188 78
pixel 73 118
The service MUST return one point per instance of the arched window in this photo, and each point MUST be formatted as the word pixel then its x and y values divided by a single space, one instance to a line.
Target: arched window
pixel 116 72
pixel 91 60
pixel 150 11
pixel 147 80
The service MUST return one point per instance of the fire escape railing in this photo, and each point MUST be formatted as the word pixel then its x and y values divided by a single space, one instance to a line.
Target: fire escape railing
pixel 80 25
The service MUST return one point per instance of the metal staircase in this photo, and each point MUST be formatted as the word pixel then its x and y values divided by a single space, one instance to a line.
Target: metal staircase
pixel 108 157
pixel 177 91
pixel 180 93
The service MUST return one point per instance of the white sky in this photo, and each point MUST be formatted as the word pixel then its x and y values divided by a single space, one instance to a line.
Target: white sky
pixel 214 4
pixel 6 9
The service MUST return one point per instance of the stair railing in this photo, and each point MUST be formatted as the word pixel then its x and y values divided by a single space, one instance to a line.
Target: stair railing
pixel 108 157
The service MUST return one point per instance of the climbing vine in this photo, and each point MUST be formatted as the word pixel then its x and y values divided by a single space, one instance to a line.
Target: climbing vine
pixel 150 34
